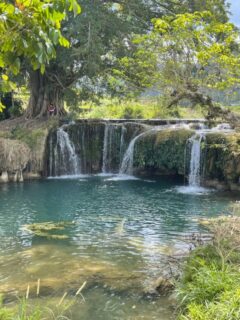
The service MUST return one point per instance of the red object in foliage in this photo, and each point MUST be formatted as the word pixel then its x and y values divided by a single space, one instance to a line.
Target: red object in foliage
pixel 51 108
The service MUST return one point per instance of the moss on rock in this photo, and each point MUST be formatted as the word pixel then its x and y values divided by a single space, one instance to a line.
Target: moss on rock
pixel 223 157
pixel 45 229
pixel 162 152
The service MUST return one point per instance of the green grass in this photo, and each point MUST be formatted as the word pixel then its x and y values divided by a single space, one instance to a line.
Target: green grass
pixel 131 109
pixel 37 309
pixel 210 286
pixel 30 137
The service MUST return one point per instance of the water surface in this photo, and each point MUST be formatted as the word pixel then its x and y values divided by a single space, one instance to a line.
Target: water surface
pixel 122 232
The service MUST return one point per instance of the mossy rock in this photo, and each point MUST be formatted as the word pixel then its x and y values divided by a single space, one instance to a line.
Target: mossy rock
pixel 162 151
pixel 222 160
pixel 44 229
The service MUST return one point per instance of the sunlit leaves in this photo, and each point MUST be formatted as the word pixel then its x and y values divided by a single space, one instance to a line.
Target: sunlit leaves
pixel 30 30
pixel 187 51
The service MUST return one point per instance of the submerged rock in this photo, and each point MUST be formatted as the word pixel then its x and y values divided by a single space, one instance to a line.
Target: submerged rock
pixel 44 229
pixel 162 286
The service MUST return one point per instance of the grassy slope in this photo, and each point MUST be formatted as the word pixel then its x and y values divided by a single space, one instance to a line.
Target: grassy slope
pixel 210 286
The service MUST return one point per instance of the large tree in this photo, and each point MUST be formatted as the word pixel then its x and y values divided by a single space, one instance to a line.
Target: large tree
pixel 98 37
pixel 186 56
pixel 30 30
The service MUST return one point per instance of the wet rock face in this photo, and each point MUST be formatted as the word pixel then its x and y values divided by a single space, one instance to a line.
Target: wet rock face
pixel 162 152
pixel 100 146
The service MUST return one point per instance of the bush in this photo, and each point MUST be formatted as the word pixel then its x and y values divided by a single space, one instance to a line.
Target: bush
pixel 30 137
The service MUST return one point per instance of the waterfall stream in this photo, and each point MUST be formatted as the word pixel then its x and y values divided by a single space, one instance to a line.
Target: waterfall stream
pixel 105 149
pixel 127 162
pixel 108 148
pixel 113 148
pixel 66 160
pixel 195 160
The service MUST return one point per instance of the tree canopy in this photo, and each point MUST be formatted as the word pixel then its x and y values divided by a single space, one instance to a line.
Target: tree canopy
pixel 186 56
pixel 30 30
pixel 98 37
pixel 66 56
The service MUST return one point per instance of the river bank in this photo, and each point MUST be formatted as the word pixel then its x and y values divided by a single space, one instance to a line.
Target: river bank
pixel 209 288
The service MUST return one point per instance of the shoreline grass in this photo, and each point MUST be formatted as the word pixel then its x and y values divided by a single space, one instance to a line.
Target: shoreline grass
pixel 209 288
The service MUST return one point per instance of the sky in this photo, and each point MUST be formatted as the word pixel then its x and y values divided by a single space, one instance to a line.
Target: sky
pixel 235 10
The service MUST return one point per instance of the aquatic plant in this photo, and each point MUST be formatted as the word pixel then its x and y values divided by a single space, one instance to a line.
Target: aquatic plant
pixel 37 309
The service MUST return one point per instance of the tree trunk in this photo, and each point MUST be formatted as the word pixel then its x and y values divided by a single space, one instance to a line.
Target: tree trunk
pixel 193 96
pixel 43 93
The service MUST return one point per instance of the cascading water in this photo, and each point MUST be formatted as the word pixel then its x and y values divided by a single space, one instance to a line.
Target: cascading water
pixel 66 161
pixel 108 147
pixel 127 162
pixel 113 148
pixel 105 149
pixel 195 160
pixel 122 144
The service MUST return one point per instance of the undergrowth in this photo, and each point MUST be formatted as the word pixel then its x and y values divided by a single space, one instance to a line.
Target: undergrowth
pixel 134 109
pixel 30 137
pixel 210 286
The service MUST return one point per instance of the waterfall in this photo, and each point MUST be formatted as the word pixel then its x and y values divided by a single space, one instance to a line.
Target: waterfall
pixel 127 162
pixel 122 144
pixel 113 145
pixel 51 156
pixel 105 149
pixel 109 148
pixel 83 154
pixel 66 159
pixel 195 160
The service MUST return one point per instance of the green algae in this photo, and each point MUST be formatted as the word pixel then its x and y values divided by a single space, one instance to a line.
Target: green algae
pixel 44 229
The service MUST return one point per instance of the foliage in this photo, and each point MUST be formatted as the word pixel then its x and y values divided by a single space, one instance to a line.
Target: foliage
pixel 30 30
pixel 30 137
pixel 36 310
pixel 98 37
pixel 209 288
pixel 162 152
pixel 219 8
pixel 186 56
pixel 12 106
pixel 227 307
pixel 132 109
